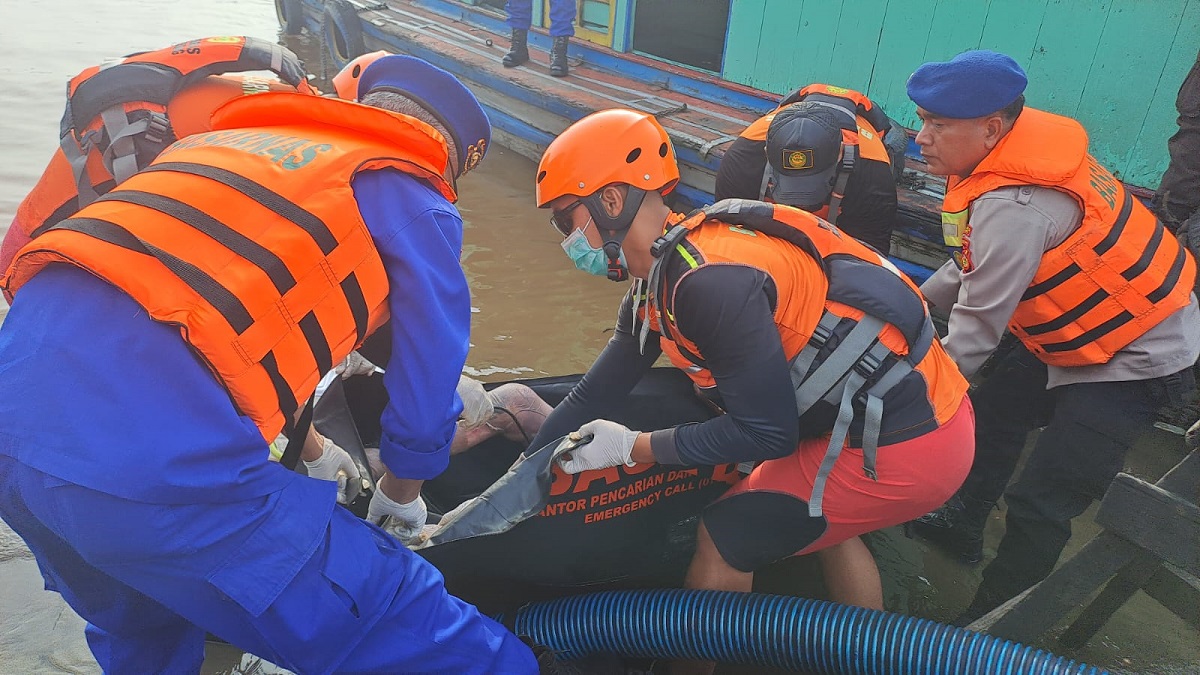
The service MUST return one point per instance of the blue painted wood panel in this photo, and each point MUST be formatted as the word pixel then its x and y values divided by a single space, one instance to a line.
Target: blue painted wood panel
pixel 1113 64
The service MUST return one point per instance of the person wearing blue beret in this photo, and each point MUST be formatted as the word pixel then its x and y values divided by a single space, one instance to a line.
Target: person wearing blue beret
pixel 1098 300
pixel 187 317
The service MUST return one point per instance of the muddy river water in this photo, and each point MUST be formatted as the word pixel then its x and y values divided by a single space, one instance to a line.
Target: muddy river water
pixel 534 315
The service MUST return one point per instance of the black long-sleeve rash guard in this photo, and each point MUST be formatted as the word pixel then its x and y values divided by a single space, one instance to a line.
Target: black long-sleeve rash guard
pixel 726 311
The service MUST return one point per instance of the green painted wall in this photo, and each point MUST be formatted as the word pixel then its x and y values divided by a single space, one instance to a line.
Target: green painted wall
pixel 1115 65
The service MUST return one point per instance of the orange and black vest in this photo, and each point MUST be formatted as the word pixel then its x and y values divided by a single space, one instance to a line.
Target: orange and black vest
pixel 852 326
pixel 863 125
pixel 1116 277
pixel 249 240
pixel 120 116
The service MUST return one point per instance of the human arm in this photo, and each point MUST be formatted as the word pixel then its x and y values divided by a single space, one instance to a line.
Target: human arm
pixel 740 173
pixel 1008 236
pixel 607 382
pixel 326 460
pixel 941 288
pixel 419 239
pixel 726 311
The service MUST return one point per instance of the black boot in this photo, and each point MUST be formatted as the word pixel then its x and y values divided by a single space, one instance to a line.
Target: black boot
pixel 558 56
pixel 518 53
pixel 956 527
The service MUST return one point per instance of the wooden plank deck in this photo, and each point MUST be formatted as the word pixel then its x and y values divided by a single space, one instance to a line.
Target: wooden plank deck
pixel 528 107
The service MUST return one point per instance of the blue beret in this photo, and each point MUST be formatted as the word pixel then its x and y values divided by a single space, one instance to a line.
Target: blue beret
pixel 972 84
pixel 438 92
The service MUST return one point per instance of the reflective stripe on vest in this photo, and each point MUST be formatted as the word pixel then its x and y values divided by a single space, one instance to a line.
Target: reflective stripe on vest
pixel 862 293
pixel 249 241
pixel 1114 278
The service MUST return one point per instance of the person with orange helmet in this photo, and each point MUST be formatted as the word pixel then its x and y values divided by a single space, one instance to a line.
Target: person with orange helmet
pixel 227 277
pixel 812 344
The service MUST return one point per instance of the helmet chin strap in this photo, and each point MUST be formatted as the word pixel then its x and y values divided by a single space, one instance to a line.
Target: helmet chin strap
pixel 612 250
pixel 614 228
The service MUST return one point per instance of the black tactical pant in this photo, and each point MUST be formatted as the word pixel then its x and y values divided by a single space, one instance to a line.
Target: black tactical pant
pixel 1089 428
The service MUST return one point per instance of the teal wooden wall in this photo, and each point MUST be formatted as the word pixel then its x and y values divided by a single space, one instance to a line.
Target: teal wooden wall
pixel 1115 65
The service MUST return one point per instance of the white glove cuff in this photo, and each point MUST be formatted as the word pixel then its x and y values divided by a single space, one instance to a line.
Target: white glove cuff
pixel 409 511
pixel 325 458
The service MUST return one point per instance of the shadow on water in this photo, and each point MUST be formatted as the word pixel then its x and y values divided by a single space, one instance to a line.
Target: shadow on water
pixel 534 315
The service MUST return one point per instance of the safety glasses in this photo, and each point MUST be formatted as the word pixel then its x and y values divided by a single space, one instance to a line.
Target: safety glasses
pixel 561 220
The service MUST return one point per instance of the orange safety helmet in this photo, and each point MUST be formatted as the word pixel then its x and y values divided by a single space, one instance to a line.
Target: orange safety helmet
pixel 345 83
pixel 609 146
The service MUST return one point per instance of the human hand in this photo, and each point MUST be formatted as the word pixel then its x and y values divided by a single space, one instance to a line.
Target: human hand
pixel 403 521
pixel 477 405
pixel 335 464
pixel 611 444
pixel 355 364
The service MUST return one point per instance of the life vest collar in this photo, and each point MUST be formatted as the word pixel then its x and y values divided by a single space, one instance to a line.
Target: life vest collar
pixel 1041 148
pixel 415 137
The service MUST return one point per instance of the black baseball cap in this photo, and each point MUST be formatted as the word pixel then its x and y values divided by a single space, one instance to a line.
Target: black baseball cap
pixel 804 146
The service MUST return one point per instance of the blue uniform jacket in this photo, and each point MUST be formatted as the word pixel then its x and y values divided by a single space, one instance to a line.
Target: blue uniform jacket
pixel 97 394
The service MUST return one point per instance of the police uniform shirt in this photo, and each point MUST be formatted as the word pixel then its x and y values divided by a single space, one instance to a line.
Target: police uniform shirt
pixel 1011 228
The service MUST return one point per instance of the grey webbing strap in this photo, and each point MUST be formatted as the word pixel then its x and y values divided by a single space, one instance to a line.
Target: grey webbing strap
pixel 873 417
pixel 653 278
pixel 644 329
pixel 766 181
pixel 837 441
pixel 856 344
pixel 804 360
pixel 845 168
pixel 121 155
pixel 77 158
pixel 905 366
pixel 276 57
pixel 872 423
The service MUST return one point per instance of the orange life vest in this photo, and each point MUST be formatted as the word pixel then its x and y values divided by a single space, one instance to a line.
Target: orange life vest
pixel 1111 280
pixel 852 326
pixel 863 127
pixel 120 116
pixel 249 240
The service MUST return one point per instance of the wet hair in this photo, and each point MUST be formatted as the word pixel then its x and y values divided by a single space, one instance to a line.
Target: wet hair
pixel 1012 111
pixel 398 103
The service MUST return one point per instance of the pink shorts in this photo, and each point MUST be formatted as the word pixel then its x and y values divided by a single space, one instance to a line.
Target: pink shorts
pixel 765 518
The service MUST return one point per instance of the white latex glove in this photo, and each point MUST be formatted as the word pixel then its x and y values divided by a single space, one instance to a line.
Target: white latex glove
pixel 477 405
pixel 404 521
pixel 355 364
pixel 336 464
pixel 612 445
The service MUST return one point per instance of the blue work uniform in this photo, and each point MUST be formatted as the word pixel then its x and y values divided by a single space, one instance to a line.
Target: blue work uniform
pixel 151 505
pixel 562 16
